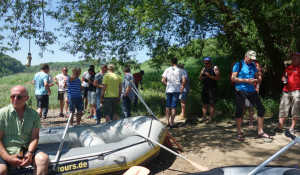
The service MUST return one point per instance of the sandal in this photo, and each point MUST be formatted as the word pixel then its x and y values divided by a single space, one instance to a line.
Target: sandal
pixel 264 135
pixel 240 136
pixel 203 119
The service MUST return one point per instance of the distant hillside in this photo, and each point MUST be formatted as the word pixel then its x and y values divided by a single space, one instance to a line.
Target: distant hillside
pixel 9 65
pixel 59 65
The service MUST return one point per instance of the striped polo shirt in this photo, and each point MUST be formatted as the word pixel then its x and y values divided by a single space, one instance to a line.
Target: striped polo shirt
pixel 74 88
pixel 15 132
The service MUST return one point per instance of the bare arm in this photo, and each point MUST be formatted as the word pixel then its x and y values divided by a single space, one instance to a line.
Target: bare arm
pixel 217 72
pixel 12 160
pixel 96 84
pixel 201 73
pixel 183 84
pixel 103 92
pixel 128 89
pixel 47 87
pixel 55 80
pixel 32 146
pixel 163 80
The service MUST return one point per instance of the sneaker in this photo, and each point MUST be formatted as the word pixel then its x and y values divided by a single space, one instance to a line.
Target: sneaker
pixel 277 130
pixel 292 131
pixel 60 115
pixel 95 117
pixel 89 116
pixel 67 114
pixel 44 117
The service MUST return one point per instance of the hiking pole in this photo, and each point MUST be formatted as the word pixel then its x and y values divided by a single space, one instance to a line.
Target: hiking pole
pixel 288 134
pixel 200 167
pixel 151 113
pixel 61 143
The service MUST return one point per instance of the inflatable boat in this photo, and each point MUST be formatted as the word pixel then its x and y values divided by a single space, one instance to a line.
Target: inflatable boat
pixel 104 148
pixel 245 170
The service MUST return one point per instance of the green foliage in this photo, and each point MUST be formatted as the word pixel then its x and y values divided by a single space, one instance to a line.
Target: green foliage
pixel 9 66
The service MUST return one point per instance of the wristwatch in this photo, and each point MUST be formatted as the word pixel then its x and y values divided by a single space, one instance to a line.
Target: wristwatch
pixel 30 152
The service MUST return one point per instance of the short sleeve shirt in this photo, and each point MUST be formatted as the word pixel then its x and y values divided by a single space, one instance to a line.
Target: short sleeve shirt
pixel 39 79
pixel 293 73
pixel 15 132
pixel 247 71
pixel 85 75
pixel 127 82
pixel 173 75
pixel 112 81
pixel 99 78
pixel 62 82
pixel 137 78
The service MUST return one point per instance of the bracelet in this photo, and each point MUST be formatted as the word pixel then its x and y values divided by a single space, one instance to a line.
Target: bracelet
pixel 30 152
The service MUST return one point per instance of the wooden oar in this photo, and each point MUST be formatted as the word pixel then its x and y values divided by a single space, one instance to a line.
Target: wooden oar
pixel 200 167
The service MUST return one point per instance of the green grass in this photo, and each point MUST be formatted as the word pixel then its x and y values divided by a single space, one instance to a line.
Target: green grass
pixel 154 91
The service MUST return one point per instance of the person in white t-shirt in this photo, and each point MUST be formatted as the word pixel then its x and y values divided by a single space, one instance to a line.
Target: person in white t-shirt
pixel 85 86
pixel 172 77
pixel 62 95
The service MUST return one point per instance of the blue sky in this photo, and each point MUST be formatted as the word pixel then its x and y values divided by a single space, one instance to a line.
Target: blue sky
pixel 58 56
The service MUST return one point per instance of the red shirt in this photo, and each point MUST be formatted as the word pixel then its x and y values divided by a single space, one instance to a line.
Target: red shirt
pixel 137 78
pixel 293 74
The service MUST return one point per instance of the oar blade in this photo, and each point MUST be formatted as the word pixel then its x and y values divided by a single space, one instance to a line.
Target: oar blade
pixel 199 167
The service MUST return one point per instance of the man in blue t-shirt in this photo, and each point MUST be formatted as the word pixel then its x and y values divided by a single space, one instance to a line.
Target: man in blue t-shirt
pixel 245 78
pixel 42 90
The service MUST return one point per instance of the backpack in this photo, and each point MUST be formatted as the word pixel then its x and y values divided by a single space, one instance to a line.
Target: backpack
pixel 240 67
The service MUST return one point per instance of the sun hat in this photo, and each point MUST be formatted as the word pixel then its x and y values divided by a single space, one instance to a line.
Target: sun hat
pixel 251 54
pixel 111 66
pixel 207 59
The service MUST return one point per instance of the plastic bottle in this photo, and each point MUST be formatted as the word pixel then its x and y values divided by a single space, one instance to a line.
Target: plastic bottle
pixel 286 78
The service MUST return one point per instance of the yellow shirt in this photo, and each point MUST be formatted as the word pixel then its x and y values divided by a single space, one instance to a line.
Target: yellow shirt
pixel 112 81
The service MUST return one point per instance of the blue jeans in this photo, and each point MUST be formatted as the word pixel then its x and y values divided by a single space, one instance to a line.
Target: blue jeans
pixel 126 112
pixel 98 110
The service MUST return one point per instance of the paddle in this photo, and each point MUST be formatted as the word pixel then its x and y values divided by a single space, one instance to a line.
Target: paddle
pixel 61 143
pixel 151 113
pixel 137 170
pixel 200 167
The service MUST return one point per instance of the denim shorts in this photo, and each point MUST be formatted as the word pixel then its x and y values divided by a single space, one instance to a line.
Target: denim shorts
pixel 172 99
pixel 75 103
pixel 183 96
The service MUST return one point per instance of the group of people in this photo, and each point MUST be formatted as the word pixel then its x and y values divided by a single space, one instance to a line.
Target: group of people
pixel 247 78
pixel 100 90
pixel 19 124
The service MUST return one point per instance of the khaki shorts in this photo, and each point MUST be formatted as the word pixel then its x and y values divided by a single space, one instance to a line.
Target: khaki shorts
pixel 61 95
pixel 290 99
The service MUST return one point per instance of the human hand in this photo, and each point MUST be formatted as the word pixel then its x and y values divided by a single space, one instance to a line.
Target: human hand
pixel 49 93
pixel 15 161
pixel 27 160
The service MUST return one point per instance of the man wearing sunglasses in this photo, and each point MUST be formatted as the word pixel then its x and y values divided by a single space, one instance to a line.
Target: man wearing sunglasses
pixel 19 131
pixel 61 81
pixel 210 74
pixel 42 90
pixel 244 88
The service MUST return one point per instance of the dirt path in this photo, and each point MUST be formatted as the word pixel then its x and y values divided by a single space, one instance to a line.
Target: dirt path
pixel 212 145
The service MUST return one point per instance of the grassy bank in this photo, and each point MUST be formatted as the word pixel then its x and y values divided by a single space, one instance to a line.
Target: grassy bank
pixel 153 93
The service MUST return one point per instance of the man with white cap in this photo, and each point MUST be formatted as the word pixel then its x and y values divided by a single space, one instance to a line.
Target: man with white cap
pixel 245 77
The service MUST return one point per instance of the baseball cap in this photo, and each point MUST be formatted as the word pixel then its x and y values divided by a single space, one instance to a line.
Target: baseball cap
pixel 111 66
pixel 251 54
pixel 207 59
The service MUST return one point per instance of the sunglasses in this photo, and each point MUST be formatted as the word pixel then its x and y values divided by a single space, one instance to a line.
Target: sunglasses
pixel 65 70
pixel 19 97
pixel 206 63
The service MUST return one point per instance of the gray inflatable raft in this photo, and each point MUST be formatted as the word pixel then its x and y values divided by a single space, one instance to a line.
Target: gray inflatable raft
pixel 104 148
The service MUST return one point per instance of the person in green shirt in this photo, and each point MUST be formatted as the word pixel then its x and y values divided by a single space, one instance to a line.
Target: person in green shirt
pixel 19 135
pixel 111 92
